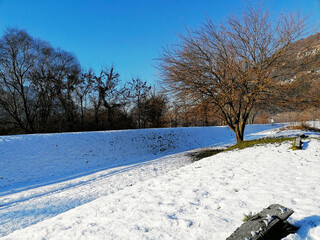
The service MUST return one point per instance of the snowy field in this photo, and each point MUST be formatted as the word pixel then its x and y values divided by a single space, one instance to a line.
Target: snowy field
pixel 29 161
pixel 314 124
pixel 141 185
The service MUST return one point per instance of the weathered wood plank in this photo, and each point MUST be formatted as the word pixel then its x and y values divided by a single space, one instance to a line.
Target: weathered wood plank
pixel 268 224
pixel 298 143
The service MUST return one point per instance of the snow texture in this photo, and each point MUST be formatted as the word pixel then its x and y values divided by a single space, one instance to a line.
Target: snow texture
pixel 34 160
pixel 144 193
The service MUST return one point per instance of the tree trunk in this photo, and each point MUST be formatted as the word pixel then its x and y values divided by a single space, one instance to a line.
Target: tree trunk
pixel 239 136
pixel 238 130
pixel 82 112
pixel 96 117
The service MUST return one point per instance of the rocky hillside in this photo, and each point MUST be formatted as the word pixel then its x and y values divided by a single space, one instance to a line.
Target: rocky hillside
pixel 301 71
pixel 304 61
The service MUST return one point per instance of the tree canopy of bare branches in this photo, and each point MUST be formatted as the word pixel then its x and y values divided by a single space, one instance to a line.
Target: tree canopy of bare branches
pixel 32 76
pixel 44 89
pixel 232 64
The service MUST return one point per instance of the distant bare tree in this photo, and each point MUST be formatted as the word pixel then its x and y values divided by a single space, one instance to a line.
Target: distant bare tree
pixel 17 56
pixel 139 92
pixel 156 109
pixel 83 89
pixel 109 95
pixel 36 80
pixel 232 64
pixel 41 76
pixel 66 78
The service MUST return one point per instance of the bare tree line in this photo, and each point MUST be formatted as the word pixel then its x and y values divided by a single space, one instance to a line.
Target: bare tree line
pixel 43 89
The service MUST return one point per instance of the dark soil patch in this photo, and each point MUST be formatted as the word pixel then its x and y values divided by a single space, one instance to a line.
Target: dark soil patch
pixel 196 156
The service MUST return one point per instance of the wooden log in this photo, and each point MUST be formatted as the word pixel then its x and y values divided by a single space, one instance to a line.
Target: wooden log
pixel 269 224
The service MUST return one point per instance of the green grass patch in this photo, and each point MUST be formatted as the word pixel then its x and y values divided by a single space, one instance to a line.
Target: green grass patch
pixel 294 147
pixel 251 143
pixel 247 217
pixel 196 156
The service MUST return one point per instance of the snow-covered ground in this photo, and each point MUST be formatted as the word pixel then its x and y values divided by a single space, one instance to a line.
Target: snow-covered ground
pixel 314 124
pixel 164 197
pixel 34 160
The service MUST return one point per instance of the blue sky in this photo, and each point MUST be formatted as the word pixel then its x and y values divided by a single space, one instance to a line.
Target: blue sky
pixel 126 33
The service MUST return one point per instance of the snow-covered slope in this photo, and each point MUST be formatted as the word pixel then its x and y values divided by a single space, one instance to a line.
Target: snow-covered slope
pixel 141 181
pixel 35 160
pixel 203 200
pixel 44 175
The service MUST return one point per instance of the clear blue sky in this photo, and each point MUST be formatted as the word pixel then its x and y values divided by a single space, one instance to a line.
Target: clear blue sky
pixel 126 33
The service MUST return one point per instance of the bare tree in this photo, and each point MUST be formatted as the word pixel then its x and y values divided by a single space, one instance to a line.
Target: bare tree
pixel 232 64
pixel 139 92
pixel 83 89
pixel 66 77
pixel 108 94
pixel 34 77
pixel 41 76
pixel 156 108
pixel 17 58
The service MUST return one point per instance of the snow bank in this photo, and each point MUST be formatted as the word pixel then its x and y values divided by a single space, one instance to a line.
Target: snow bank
pixel 34 160
pixel 314 124
pixel 204 200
